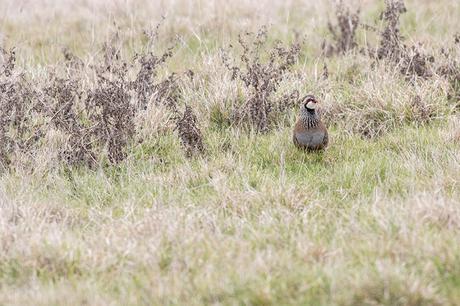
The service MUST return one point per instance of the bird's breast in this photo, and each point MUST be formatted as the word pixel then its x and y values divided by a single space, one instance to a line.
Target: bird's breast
pixel 310 138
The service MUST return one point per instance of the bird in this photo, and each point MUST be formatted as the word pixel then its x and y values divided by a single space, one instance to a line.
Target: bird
pixel 310 133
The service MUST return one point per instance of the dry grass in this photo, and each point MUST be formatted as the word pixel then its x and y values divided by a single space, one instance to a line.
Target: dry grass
pixel 127 177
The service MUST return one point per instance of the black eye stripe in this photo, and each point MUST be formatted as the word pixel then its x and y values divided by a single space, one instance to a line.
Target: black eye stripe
pixel 309 99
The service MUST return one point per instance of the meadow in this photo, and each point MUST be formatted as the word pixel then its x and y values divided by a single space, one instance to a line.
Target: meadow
pixel 146 153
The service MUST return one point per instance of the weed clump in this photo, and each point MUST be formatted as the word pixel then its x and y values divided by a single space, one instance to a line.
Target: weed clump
pixel 391 45
pixel 450 69
pixel 415 63
pixel 67 117
pixel 422 113
pixel 21 127
pixel 96 121
pixel 144 84
pixel 189 133
pixel 110 105
pixel 412 61
pixel 8 62
pixel 115 102
pixel 344 32
pixel 70 60
pixel 261 78
pixel 167 92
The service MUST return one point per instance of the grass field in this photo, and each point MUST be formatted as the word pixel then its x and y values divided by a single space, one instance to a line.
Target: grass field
pixel 114 203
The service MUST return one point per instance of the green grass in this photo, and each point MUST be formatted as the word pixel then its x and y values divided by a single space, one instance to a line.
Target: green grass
pixel 254 221
pixel 259 223
pixel 351 168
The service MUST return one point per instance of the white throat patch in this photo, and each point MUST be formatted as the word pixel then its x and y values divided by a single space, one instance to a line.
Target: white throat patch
pixel 311 105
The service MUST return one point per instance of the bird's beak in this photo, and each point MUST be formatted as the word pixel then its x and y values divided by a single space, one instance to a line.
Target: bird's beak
pixel 311 105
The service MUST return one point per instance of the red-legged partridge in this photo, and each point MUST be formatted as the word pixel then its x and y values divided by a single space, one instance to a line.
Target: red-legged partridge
pixel 309 131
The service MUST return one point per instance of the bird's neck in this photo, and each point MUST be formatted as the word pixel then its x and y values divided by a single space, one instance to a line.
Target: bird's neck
pixel 310 119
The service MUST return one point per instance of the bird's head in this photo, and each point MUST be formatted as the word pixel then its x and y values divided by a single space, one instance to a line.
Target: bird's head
pixel 309 103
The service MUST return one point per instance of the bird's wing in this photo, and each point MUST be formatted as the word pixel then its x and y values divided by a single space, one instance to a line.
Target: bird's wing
pixel 295 140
